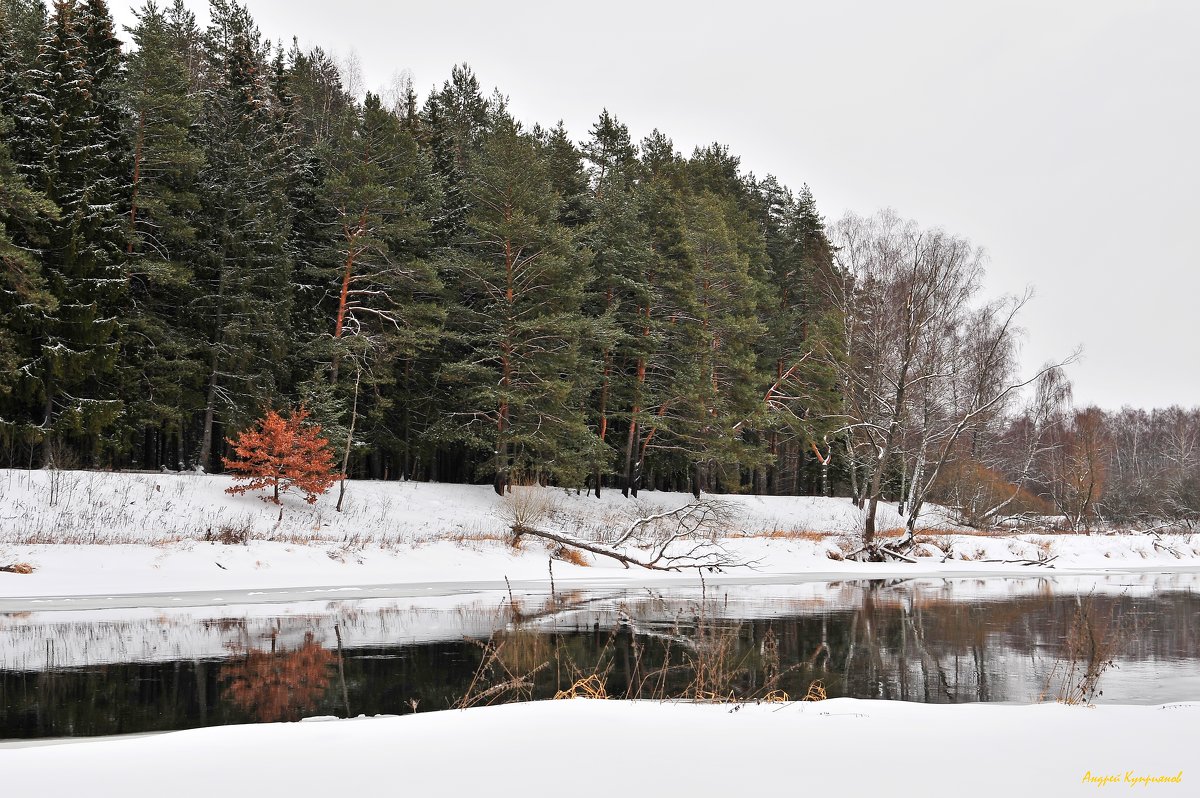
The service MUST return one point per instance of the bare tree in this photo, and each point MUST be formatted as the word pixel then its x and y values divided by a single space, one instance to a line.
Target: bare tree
pixel 928 374
pixel 1077 468
pixel 905 290
pixel 979 382
pixel 1002 465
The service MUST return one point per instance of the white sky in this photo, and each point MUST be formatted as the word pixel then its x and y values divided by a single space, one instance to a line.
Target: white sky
pixel 1061 136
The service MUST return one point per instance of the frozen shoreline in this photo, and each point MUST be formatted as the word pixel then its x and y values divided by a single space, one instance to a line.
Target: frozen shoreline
pixel 198 574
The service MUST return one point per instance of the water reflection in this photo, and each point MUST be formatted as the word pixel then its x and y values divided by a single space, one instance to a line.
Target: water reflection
pixel 931 640
pixel 278 684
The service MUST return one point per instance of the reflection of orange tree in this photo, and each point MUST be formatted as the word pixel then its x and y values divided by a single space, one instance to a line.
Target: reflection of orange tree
pixel 278 685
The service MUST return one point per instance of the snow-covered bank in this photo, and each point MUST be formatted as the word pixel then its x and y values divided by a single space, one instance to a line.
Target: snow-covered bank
pixel 121 536
pixel 96 507
pixel 595 748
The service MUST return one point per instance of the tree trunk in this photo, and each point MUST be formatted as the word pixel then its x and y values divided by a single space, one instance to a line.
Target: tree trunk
pixel 202 461
pixel 137 179
pixel 48 424
pixel 349 440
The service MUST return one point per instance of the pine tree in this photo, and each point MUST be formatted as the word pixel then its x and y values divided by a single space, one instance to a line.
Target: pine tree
pixel 384 313
pixel 611 153
pixel 620 297
pixel 701 375
pixel 718 396
pixel 800 393
pixel 282 453
pixel 518 296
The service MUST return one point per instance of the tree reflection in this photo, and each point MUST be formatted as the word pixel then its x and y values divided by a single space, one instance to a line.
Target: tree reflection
pixel 278 685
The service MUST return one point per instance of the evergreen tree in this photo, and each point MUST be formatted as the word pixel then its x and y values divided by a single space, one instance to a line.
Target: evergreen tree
pixel 164 374
pixel 620 296
pixel 567 175
pixel 69 114
pixel 216 225
pixel 23 293
pixel 453 123
pixel 243 270
pixel 518 287
pixel 611 152
pixel 718 395
pixel 384 312
pixel 22 28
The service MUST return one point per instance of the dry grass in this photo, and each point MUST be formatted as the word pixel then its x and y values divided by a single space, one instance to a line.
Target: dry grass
pixel 1093 639
pixel 590 686
pixel 787 534
pixel 528 506
pixel 229 534
pixel 17 568
pixel 68 537
pixel 475 539
pixel 816 692
pixel 572 556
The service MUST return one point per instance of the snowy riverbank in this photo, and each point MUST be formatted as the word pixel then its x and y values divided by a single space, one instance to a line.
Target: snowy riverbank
pixel 117 536
pixel 594 748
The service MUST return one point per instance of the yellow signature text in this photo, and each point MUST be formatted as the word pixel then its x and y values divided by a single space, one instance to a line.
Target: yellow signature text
pixel 1130 778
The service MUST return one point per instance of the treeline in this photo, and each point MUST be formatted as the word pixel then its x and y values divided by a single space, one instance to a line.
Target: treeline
pixel 202 224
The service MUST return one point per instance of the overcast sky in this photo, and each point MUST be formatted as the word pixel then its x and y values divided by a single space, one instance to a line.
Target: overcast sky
pixel 1062 137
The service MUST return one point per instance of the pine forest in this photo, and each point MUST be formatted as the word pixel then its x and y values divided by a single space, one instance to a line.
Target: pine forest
pixel 201 225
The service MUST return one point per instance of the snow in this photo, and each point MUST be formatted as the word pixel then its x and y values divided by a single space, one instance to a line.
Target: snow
pixel 122 565
pixel 121 540
pixel 131 507
pixel 600 748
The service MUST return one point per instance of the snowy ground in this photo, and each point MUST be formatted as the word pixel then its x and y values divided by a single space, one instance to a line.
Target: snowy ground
pixel 110 541
pixel 138 540
pixel 96 507
pixel 601 748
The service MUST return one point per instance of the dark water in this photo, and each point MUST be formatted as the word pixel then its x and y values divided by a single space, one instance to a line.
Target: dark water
pixel 932 640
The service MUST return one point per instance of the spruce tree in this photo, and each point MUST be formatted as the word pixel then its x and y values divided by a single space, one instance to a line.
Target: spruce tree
pixel 164 373
pixel 23 293
pixel 70 110
pixel 242 270
pixel 453 123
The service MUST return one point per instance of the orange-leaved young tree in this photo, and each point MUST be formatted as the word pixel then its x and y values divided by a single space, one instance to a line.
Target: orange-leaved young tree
pixel 283 453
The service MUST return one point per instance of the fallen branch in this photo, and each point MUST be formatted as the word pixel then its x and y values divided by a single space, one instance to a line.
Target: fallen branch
pixel 879 553
pixel 1158 541
pixel 704 554
pixel 1046 562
